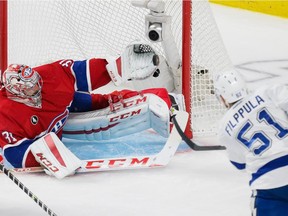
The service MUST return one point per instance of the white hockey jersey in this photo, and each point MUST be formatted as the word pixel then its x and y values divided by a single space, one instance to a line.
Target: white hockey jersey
pixel 255 133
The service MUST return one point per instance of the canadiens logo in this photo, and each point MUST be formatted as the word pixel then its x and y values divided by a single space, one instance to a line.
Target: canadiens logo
pixel 58 122
pixel 27 72
pixel 34 119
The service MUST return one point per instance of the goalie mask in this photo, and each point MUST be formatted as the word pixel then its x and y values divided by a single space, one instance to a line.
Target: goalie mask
pixel 23 84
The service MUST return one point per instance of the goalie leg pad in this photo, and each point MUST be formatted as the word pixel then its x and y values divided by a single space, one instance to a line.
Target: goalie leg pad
pixel 160 116
pixel 103 124
pixel 136 114
pixel 52 154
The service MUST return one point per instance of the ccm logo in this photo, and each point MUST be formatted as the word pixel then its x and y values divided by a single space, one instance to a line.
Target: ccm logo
pixel 47 163
pixel 113 163
pixel 125 115
pixel 130 103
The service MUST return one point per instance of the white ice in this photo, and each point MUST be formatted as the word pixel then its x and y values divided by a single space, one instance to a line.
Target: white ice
pixel 194 183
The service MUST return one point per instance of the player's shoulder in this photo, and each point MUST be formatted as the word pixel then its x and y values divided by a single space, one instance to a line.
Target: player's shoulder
pixel 45 66
pixel 55 71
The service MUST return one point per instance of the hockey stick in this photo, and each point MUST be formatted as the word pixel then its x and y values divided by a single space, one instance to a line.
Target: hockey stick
pixel 26 190
pixel 193 145
pixel 149 161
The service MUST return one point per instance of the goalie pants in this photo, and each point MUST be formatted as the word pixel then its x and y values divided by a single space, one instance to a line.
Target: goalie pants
pixel 270 202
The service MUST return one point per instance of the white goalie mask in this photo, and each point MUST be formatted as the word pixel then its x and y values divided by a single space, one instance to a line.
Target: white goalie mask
pixel 231 86
pixel 23 84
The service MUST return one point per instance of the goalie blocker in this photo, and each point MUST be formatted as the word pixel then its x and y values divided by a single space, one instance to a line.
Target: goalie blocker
pixel 54 156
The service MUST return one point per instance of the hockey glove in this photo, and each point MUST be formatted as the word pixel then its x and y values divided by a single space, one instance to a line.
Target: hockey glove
pixel 138 61
pixel 54 156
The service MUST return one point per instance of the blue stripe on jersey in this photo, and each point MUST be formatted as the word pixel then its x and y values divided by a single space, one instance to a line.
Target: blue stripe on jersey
pixel 82 102
pixel 238 165
pixel 272 165
pixel 79 68
pixel 14 154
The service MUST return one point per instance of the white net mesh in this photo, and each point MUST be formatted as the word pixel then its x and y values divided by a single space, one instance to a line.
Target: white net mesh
pixel 209 58
pixel 41 31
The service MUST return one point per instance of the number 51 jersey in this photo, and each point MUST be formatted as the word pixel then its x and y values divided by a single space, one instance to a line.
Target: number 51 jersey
pixel 255 133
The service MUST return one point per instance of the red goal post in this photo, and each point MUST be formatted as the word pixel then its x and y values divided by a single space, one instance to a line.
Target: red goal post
pixel 3 35
pixel 35 32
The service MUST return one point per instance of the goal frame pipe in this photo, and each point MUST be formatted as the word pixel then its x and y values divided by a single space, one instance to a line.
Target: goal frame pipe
pixel 186 60
pixel 3 35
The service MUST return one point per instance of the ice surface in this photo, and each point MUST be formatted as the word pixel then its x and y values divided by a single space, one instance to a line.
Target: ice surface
pixel 194 183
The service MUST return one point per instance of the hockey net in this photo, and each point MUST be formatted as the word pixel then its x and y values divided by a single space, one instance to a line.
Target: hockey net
pixel 39 31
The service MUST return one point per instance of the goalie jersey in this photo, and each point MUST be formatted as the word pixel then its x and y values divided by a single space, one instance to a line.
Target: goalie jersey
pixel 255 133
pixel 21 125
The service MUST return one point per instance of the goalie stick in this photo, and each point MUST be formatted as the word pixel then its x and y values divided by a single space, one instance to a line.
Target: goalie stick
pixel 193 145
pixel 149 161
pixel 26 190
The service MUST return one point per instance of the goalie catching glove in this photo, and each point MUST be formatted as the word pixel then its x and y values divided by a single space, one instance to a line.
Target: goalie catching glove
pixel 138 61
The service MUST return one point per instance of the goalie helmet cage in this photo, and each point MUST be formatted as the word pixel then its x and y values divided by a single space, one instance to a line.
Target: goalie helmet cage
pixel 38 31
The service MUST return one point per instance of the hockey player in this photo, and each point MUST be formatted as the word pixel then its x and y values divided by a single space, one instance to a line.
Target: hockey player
pixel 254 131
pixel 35 103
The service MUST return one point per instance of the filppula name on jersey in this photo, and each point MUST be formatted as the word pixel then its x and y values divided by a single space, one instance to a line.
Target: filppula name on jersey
pixel 242 111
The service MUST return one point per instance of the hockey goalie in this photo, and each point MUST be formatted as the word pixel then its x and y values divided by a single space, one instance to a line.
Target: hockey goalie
pixel 40 105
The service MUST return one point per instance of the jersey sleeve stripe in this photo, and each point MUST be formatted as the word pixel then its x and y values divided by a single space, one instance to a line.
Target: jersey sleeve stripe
pixel 272 165
pixel 88 76
pixel 80 71
pixel 239 165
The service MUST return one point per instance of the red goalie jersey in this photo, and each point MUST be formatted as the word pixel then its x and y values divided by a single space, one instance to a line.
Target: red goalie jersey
pixel 65 87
